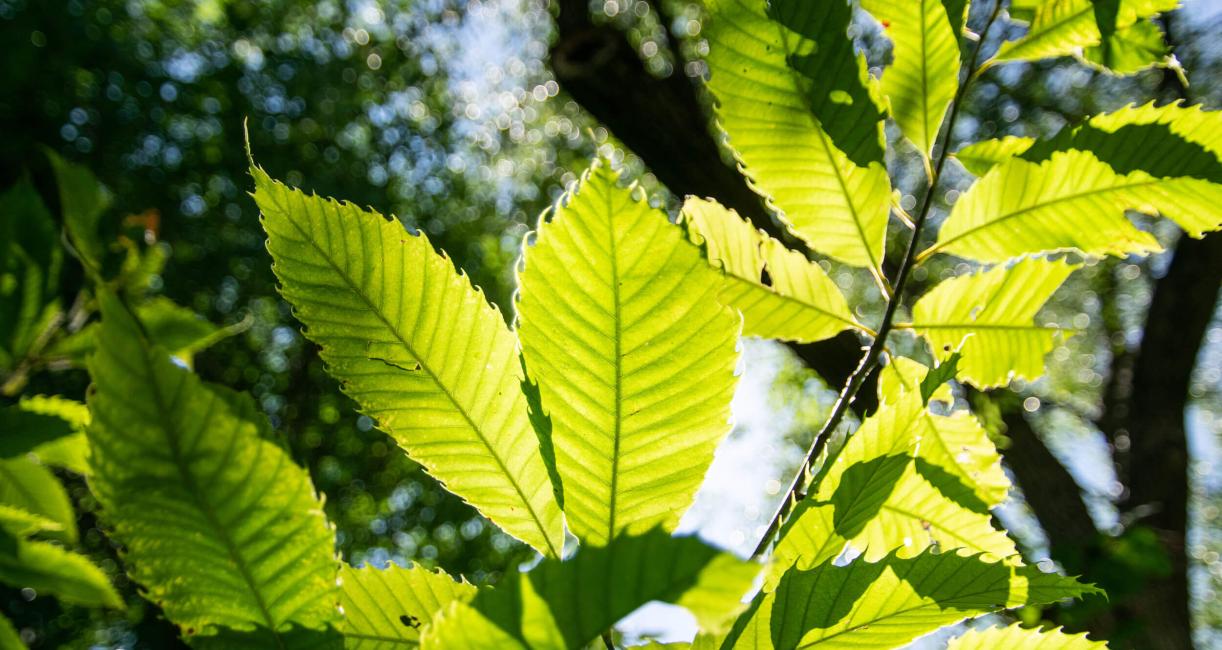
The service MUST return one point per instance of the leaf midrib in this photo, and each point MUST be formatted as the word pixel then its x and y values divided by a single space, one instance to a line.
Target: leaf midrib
pixel 792 299
pixel 202 503
pixel 619 368
pixel 373 308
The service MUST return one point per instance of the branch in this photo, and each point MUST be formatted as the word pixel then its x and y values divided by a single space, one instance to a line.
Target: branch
pixel 869 362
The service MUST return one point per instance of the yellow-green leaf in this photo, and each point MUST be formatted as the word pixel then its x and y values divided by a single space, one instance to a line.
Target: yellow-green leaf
pixel 889 603
pixel 419 349
pixel 885 496
pixel 800 114
pixel 561 605
pixel 1065 27
pixel 956 443
pixel 49 569
pixel 1016 637
pixel 1071 201
pixel 800 304
pixel 979 157
pixel 389 608
pixel 30 486
pixel 633 354
pixel 989 317
pixel 924 75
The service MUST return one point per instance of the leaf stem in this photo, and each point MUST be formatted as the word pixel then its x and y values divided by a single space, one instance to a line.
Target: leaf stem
pixel 869 361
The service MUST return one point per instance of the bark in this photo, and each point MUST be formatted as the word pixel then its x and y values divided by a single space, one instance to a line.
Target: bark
pixel 1180 312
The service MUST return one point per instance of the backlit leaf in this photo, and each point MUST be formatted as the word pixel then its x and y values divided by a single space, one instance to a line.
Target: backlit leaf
pixel 634 357
pixel 219 526
pixel 800 113
pixel 989 317
pixel 801 303
pixel 419 349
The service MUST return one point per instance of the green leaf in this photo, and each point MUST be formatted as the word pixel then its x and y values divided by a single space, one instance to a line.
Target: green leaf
pixel 1132 49
pixel 936 379
pixel 801 303
pixel 924 76
pixel 1168 141
pixel 82 200
pixel 889 603
pixel 568 604
pixel 795 101
pixel 220 527
pixel 19 522
pixel 904 374
pixel 180 331
pixel 25 429
pixel 978 158
pixel 9 639
pixel 32 487
pixel 52 428
pixel 988 317
pixel 955 443
pixel 1065 27
pixel 886 496
pixel 1016 637
pixel 49 569
pixel 388 608
pixel 906 480
pixel 634 357
pixel 808 539
pixel 30 262
pixel 1071 201
pixel 261 638
pixel 956 12
pixel 419 349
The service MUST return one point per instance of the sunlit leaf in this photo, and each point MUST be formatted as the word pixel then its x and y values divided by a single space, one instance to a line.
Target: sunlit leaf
pixel 1015 637
pixel 49 427
pixel 989 317
pixel 49 569
pixel 1065 27
pixel 800 303
pixel 20 523
pixel 388 608
pixel 795 101
pixel 634 358
pixel 978 158
pixel 888 495
pixel 30 486
pixel 1071 201
pixel 559 605
pixel 924 76
pixel 891 602
pixel 419 349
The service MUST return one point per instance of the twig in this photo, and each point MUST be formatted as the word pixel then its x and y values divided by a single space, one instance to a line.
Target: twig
pixel 868 362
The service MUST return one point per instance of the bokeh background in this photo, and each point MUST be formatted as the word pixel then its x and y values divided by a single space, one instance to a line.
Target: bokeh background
pixel 467 120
